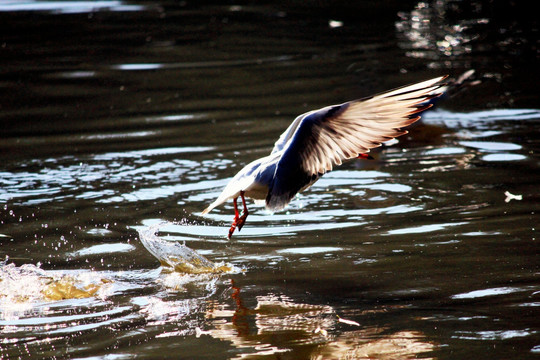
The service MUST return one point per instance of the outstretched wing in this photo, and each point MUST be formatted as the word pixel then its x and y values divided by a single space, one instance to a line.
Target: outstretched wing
pixel 318 140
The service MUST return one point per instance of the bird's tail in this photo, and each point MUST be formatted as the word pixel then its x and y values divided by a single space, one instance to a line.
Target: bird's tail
pixel 220 200
pixel 208 209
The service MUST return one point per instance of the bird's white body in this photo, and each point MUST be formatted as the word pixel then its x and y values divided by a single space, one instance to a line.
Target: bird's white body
pixel 320 139
pixel 254 180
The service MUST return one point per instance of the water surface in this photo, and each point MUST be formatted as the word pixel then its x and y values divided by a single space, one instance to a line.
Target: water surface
pixel 117 116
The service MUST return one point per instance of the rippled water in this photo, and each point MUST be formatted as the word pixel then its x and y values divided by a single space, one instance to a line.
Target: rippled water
pixel 120 117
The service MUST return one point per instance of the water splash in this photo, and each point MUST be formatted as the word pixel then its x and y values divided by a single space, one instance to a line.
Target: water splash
pixel 29 282
pixel 177 257
pixel 22 287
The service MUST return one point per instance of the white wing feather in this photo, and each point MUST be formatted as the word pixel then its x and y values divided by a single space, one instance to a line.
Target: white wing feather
pixel 358 126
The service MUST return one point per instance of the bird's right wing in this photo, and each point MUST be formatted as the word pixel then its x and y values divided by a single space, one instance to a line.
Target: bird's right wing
pixel 318 140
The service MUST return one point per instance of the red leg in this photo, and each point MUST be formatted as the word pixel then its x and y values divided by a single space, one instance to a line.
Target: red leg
pixel 245 213
pixel 238 221
pixel 236 218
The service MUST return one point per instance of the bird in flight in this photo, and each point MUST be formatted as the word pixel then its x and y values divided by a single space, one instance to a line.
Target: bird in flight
pixel 320 139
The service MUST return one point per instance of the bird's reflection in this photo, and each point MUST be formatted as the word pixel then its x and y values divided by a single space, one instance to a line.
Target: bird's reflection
pixel 280 326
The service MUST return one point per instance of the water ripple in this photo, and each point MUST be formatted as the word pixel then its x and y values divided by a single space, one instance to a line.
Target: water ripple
pixel 201 64
pixel 69 7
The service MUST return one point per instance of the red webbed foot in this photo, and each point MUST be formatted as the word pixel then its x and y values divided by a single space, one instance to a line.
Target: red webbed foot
pixel 238 221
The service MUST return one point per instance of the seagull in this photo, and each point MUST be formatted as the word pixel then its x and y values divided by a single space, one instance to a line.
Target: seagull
pixel 320 139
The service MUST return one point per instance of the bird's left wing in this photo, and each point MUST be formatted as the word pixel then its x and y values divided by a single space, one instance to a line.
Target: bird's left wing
pixel 287 134
pixel 330 135
pixel 318 140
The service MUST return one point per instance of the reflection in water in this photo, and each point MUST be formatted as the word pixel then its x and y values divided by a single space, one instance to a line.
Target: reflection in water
pixel 283 326
pixel 374 343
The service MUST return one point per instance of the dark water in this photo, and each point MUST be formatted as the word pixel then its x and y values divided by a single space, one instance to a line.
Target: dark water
pixel 116 116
